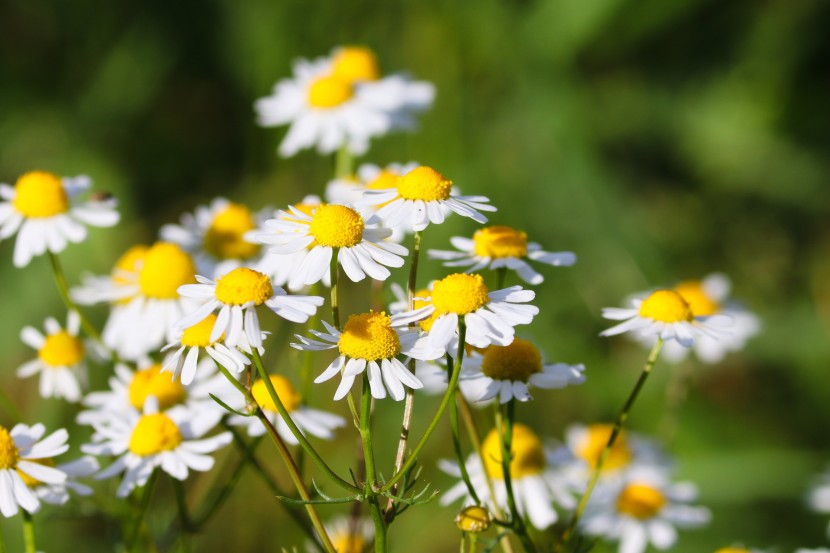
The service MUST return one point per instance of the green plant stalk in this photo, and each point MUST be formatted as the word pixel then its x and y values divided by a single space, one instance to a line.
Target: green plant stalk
pixel 29 533
pixel 184 515
pixel 501 277
pixel 449 396
pixel 335 307
pixel 343 162
pixel 293 471
pixel 63 290
pixel 505 416
pixel 142 509
pixel 370 485
pixel 456 442
pixel 618 426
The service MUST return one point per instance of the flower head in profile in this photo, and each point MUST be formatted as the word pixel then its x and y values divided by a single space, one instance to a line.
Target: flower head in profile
pixel 61 358
pixel 237 295
pixel 25 457
pixel 420 197
pixel 665 314
pixel 370 342
pixel 507 371
pixel 347 537
pixel 361 250
pixel 536 479
pixel 45 212
pixel 500 247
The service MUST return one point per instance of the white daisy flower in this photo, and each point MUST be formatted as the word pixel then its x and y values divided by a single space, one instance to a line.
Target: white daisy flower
pixel 58 493
pixel 237 295
pixel 22 452
pixel 215 236
pixel 318 423
pixel 369 176
pixel 508 371
pixel 536 481
pixel 44 208
pixel 664 313
pixel 361 251
pixel 348 539
pixel 143 291
pixel 501 247
pixel 489 316
pixel 643 509
pixel 420 197
pixel 143 442
pixel 370 341
pixel 60 358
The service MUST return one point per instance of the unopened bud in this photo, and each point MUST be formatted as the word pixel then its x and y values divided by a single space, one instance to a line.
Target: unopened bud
pixel 473 519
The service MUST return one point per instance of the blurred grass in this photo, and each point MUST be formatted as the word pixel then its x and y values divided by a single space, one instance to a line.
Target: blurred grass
pixel 658 140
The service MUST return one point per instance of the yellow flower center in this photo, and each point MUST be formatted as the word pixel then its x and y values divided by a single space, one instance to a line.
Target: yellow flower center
pixel 356 63
pixel 224 238
pixel 166 267
pixel 699 301
pixel 348 543
pixel 329 92
pixel 419 302
pixel 369 336
pixel 29 480
pixel 337 226
pixel 733 550
pixel 198 335
pixel 640 501
pixel 516 361
pixel 244 285
pixel 152 382
pixel 285 391
pixel 666 306
pixel 40 194
pixel 61 349
pixel 497 242
pixel 9 454
pixel 459 293
pixel 596 438
pixel 129 262
pixel 473 519
pixel 527 454
pixel 386 179
pixel 154 434
pixel 424 183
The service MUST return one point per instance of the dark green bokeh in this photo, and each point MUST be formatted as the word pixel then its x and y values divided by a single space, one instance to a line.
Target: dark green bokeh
pixel 658 140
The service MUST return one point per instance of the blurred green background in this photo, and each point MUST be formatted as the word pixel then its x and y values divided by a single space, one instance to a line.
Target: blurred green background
pixel 659 140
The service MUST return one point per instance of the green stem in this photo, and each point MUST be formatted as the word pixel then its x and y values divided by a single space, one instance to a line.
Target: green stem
pixel 142 509
pixel 618 426
pixel 29 533
pixel 333 272
pixel 505 415
pixel 369 460
pixel 449 396
pixel 501 277
pixel 456 442
pixel 343 161
pixel 184 516
pixel 2 539
pixel 676 393
pixel 63 290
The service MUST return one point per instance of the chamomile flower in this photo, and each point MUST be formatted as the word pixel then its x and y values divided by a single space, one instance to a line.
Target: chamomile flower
pixel 237 295
pixel 22 452
pixel 420 197
pixel 348 539
pixel 143 292
pixel 60 358
pixel 489 316
pixel 348 191
pixel 664 313
pixel 370 341
pixel 508 371
pixel 44 210
pixel 536 481
pixel 644 508
pixel 145 441
pixel 215 236
pixel 315 422
pixel 361 251
pixel 58 493
pixel 501 247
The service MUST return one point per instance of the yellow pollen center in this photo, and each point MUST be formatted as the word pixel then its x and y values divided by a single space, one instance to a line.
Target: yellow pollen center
pixel 152 382
pixel 329 92
pixel 198 335
pixel 473 519
pixel 242 286
pixel 356 63
pixel 386 179
pixel 733 550
pixel 369 336
pixel 596 438
pixel 498 242
pixel 701 304
pixel 285 391
pixel 9 454
pixel 154 434
pixel 166 267
pixel 224 238
pixel 424 183
pixel 516 361
pixel 40 194
pixel 29 480
pixel 640 501
pixel 129 262
pixel 666 306
pixel 61 349
pixel 459 293
pixel 419 302
pixel 337 226
pixel 348 543
pixel 527 454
